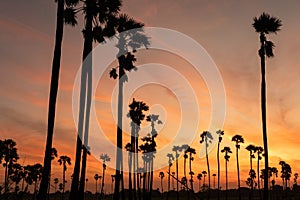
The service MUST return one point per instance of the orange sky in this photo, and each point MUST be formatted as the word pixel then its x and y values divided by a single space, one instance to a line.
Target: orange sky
pixel 223 29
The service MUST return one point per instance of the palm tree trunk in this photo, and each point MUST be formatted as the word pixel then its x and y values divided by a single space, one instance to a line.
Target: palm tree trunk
pixel 218 158
pixel 64 180
pixel 208 169
pixel 226 179
pixel 52 99
pixel 130 175
pixel 238 172
pixel 263 113
pixel 177 184
pixel 85 74
pixel 102 185
pixel 258 181
pixel 169 180
pixel 119 155
pixel 5 178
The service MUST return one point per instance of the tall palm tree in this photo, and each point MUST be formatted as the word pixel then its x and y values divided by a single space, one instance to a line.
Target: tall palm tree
pixel 64 160
pixel 265 24
pixel 170 163
pixel 176 149
pixel 136 113
pixel 105 158
pixel 227 152
pixel 126 61
pixel 130 148
pixel 161 176
pixel 259 150
pixel 251 148
pixel 220 134
pixel 238 139
pixel 207 138
pixel 65 14
pixel 99 23
pixel 199 177
pixel 204 175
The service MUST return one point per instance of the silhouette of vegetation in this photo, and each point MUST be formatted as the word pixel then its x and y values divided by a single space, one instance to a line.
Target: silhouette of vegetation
pixel 238 139
pixel 227 151
pixel 64 161
pixel 220 134
pixel 105 158
pixel 264 25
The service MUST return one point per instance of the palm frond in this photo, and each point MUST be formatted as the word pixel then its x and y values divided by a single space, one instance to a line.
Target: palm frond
pixel 266 24
pixel 70 17
pixel 269 46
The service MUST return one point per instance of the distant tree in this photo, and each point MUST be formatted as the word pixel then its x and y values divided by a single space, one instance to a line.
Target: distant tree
pixel 64 160
pixel 238 139
pixel 296 175
pixel 286 172
pixel 199 177
pixel 259 150
pixel 191 151
pixel 204 175
pixel 16 175
pixel 251 148
pixel 161 176
pixel 207 138
pixel 227 152
pixel 220 134
pixel 265 24
pixel 55 184
pixel 170 163
pixel 96 177
pixel 105 158
pixel 9 155
pixel 184 148
pixel 177 149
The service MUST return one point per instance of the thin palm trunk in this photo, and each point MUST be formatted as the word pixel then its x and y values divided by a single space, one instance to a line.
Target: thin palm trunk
pixel 177 183
pixel 226 179
pixel 130 174
pixel 263 113
pixel 102 185
pixel 5 178
pixel 258 181
pixel 238 172
pixel 84 106
pixel 169 180
pixel 64 180
pixel 218 158
pixel 119 153
pixel 52 99
pixel 208 168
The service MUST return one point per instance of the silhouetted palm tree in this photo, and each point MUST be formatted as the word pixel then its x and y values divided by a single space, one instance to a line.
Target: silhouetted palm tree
pixel 64 160
pixel 220 133
pixel 296 175
pixel 65 14
pixel 99 22
pixel 251 149
pixel 15 175
pixel 263 25
pixel 190 151
pixel 162 175
pixel 33 175
pixel 259 150
pixel 176 149
pixel 214 183
pixel 130 148
pixel 199 177
pixel 184 148
pixel 105 158
pixel 227 151
pixel 204 175
pixel 207 138
pixel 274 173
pixel 170 163
pixel 10 156
pixel 96 177
pixel 238 139
pixel 126 44
pixel 286 172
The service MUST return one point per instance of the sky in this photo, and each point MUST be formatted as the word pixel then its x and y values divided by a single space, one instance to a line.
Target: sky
pixel 224 29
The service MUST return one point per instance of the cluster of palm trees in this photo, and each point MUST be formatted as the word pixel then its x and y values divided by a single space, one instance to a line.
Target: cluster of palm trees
pixel 102 19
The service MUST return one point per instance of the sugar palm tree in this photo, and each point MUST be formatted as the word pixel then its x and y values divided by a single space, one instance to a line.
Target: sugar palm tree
pixel 126 44
pixel 238 139
pixel 96 177
pixel 220 134
pixel 170 163
pixel 10 156
pixel 214 183
pixel 199 177
pixel 259 150
pixel 227 152
pixel 15 175
pixel 161 176
pixel 130 148
pixel 176 149
pixel 251 148
pixel 274 173
pixel 296 175
pixel 204 175
pixel 191 151
pixel 65 14
pixel 265 24
pixel 207 138
pixel 105 158
pixel 184 148
pixel 64 160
